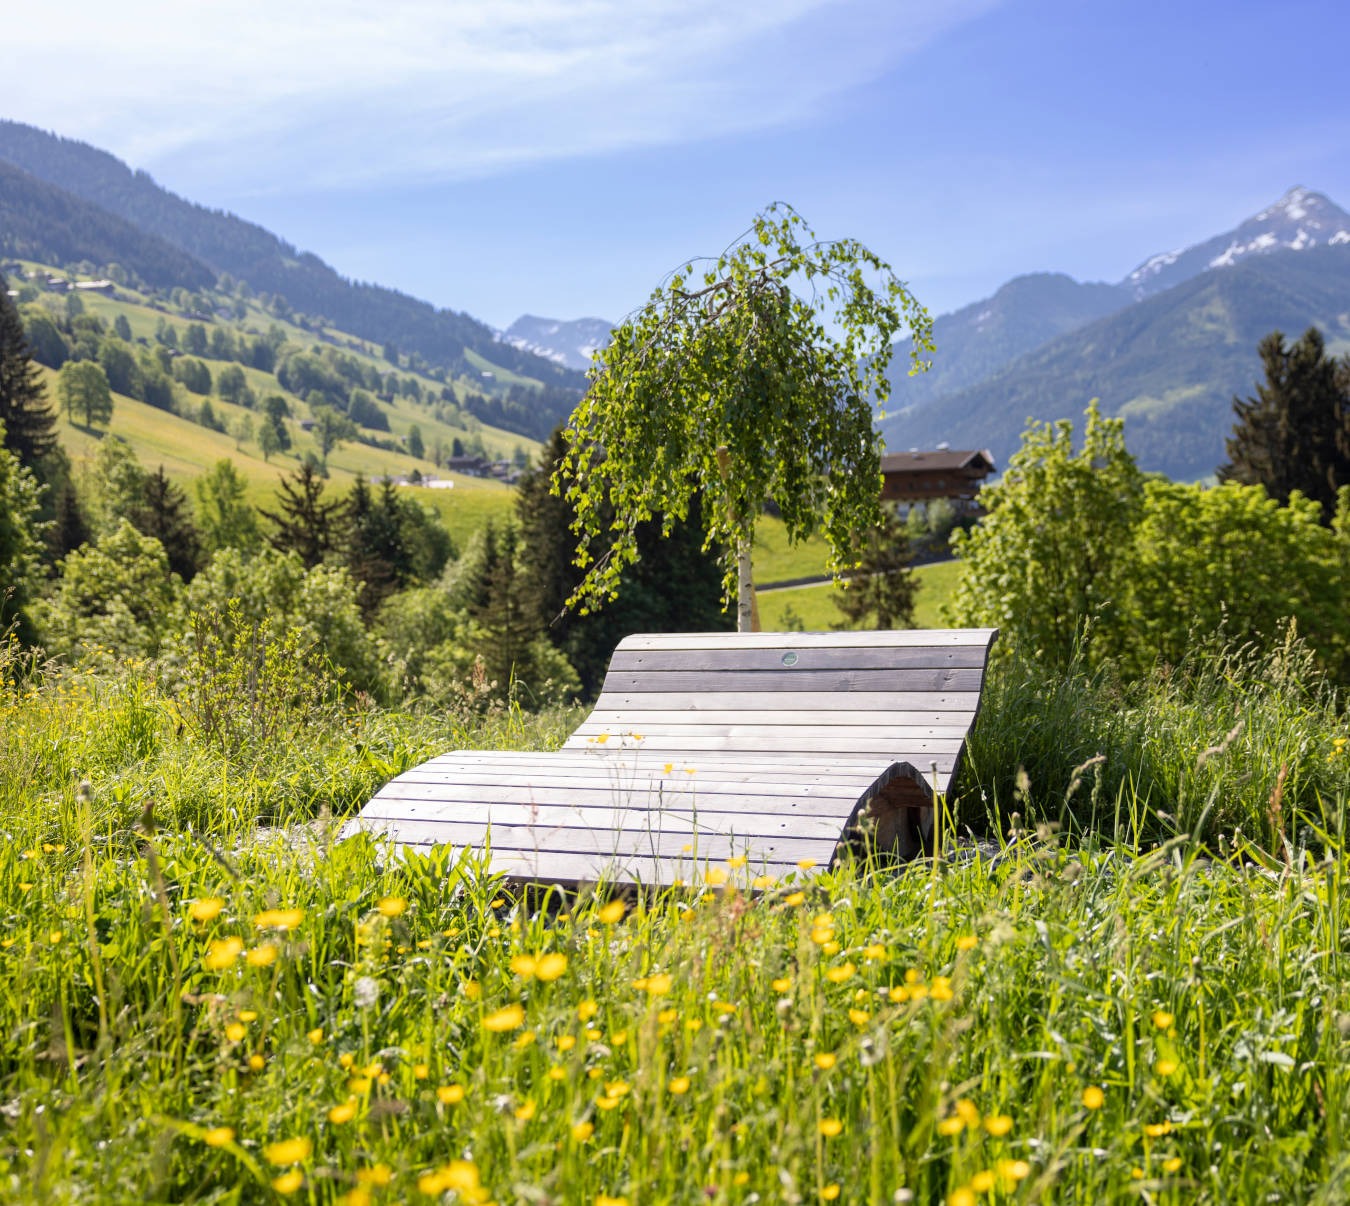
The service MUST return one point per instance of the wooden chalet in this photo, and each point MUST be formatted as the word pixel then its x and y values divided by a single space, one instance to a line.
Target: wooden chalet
pixel 912 477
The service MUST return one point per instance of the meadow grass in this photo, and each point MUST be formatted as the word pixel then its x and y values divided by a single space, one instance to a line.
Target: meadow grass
pixel 206 998
pixel 813 606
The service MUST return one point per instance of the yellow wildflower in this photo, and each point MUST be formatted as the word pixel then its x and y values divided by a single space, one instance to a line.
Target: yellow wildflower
pixel 982 1181
pixel 235 1031
pixel 737 861
pixel 1156 1130
pixel 858 1016
pixel 549 967
pixel 509 1017
pixel 392 906
pixel 583 1131
pixel 421 1071
pixel 715 877
pixel 837 975
pixel 450 1094
pixel 795 899
pixel 950 1126
pixel 279 919
pixel 1172 1165
pixel 830 1127
pixel 998 1125
pixel 565 1042
pixel 1165 1067
pixel 344 1112
pixel 825 1060
pixel 830 1192
pixel 525 1111
pixel 1013 1170
pixel 784 984
pixel 1093 1097
pixel 219 1136
pixel 256 1062
pixel 262 955
pixel 658 985
pixel 289 1182
pixel 967 942
pixel 874 952
pixel 376 1174
pixel 679 1085
pixel 965 1196
pixel 1162 1019
pixel 206 909
pixel 288 1151
pixel 523 966
pixel 612 912
pixel 965 1108
pixel 221 953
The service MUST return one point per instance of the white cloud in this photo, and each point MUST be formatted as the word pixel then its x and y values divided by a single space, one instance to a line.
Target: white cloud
pixel 340 92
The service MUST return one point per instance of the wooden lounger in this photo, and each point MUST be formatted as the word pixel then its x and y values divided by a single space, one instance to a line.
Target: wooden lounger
pixel 769 747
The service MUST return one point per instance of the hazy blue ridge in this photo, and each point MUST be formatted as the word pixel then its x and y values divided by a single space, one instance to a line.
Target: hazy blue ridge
pixel 1170 364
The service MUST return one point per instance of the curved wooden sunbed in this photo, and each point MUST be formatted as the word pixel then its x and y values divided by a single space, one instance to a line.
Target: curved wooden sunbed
pixel 712 755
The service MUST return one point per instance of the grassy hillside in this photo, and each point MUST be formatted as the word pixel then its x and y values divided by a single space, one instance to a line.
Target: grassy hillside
pixel 1170 364
pixel 813 606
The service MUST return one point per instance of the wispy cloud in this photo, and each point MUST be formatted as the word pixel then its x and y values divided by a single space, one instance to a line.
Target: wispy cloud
pixel 343 93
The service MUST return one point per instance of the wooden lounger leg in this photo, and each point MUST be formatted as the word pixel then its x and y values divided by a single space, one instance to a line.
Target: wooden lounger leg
pixel 895 813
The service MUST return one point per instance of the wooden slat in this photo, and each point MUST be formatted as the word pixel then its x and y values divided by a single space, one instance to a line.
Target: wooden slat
pixel 802 640
pixel 556 867
pixel 424 799
pixel 544 819
pixel 714 848
pixel 811 657
pixel 638 720
pixel 906 738
pixel 794 680
pixel 822 742
pixel 520 787
pixel 937 704
pixel 621 765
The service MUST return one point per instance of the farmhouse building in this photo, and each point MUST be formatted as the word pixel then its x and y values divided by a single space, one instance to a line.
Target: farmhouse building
pixel 914 476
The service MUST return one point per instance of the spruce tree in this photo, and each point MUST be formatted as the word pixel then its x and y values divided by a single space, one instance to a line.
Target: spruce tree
pixel 377 551
pixel 674 586
pixel 29 421
pixel 882 588
pixel 1295 433
pixel 164 513
pixel 307 525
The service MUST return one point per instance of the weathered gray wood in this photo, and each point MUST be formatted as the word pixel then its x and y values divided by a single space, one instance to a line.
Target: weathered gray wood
pixel 709 743
pixel 783 680
pixel 693 850
pixel 506 828
pixel 801 640
pixel 812 657
pixel 426 799
pixel 906 737
pixel 937 704
pixel 637 720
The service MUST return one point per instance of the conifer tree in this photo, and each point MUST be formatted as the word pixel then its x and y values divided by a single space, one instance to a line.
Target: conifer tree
pixel 1295 433
pixel 307 525
pixel 377 552
pixel 164 513
pixel 882 588
pixel 29 421
pixel 675 585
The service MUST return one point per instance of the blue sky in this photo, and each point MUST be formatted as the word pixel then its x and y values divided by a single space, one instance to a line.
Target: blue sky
pixel 557 157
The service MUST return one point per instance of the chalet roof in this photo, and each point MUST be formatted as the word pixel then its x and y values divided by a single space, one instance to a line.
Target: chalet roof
pixel 976 460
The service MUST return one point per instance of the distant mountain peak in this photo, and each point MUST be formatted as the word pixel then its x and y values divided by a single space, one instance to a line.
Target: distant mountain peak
pixel 1298 220
pixel 568 343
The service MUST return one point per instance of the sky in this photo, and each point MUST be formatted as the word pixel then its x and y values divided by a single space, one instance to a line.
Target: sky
pixel 558 157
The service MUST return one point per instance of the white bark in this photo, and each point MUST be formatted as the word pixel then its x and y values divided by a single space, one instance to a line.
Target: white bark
pixel 745 589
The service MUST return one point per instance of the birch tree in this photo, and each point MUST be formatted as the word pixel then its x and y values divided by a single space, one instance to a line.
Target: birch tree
pixel 750 378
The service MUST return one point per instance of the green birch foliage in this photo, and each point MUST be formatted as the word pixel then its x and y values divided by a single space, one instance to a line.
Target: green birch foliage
pixel 1052 550
pixel 777 352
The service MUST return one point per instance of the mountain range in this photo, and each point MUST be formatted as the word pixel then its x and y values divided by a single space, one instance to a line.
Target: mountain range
pixel 1167 348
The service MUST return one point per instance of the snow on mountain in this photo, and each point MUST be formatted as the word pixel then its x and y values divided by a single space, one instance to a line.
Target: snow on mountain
pixel 567 343
pixel 1298 220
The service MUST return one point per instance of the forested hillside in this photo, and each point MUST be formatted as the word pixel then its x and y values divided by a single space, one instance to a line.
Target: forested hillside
pixel 39 221
pixel 300 282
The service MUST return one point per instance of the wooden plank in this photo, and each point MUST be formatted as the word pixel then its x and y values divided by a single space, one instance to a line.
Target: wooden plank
pixel 588 764
pixel 936 703
pixel 640 720
pixel 907 737
pixel 791 680
pixel 812 657
pixel 521 786
pixel 802 640
pixel 589 868
pixel 668 820
pixel 714 849
pixel 818 741
pixel 398 798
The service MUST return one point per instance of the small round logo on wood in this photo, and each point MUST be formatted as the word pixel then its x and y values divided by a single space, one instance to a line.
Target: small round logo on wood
pixel 789 658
